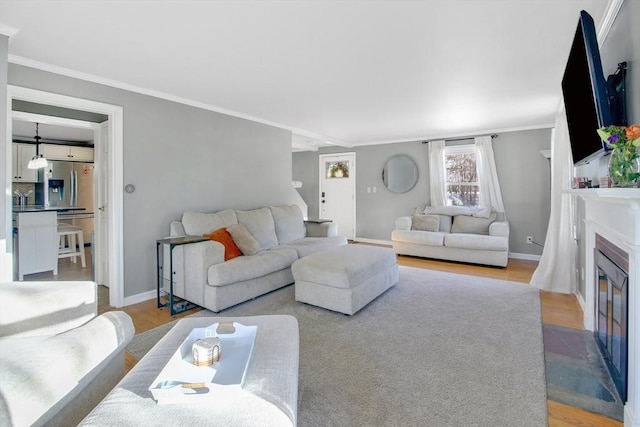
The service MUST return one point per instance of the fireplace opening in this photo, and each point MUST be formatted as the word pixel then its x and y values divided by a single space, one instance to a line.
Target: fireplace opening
pixel 612 265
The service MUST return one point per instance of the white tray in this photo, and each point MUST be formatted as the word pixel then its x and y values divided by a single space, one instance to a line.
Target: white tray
pixel 235 351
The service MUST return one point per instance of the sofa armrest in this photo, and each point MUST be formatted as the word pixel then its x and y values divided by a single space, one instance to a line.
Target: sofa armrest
pixel 43 376
pixel 191 266
pixel 403 223
pixel 45 308
pixel 176 229
pixel 499 228
pixel 325 229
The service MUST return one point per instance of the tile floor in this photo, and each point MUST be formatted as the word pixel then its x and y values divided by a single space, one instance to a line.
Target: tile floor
pixel 576 372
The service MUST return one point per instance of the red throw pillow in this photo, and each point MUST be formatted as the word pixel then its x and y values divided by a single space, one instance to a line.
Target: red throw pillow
pixel 221 235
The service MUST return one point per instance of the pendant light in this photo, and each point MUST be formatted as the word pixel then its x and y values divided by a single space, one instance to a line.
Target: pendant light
pixel 38 161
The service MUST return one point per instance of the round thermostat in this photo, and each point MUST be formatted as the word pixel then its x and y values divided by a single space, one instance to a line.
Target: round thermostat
pixel 130 188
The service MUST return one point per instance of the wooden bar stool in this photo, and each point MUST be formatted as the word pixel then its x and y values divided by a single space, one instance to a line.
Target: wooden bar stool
pixel 71 243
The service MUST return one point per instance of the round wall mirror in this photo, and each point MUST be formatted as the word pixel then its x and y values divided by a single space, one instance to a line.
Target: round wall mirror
pixel 400 174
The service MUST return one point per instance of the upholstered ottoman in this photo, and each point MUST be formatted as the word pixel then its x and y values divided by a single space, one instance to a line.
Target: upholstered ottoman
pixel 268 395
pixel 345 278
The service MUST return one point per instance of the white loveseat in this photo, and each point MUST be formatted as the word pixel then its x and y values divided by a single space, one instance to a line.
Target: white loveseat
pixel 280 236
pixel 58 358
pixel 454 233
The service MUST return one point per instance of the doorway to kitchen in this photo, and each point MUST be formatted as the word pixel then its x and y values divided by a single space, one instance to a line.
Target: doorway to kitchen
pixel 66 184
pixel 108 152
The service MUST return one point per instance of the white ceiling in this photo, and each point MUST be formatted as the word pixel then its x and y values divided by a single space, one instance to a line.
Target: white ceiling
pixel 342 72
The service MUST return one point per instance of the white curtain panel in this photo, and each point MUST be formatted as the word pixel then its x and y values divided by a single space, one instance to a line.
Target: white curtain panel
pixel 490 194
pixel 555 271
pixel 436 172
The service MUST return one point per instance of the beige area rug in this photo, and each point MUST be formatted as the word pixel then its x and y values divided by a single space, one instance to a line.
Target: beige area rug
pixel 437 349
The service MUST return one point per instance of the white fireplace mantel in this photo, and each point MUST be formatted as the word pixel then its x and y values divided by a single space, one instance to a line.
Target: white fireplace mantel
pixel 614 213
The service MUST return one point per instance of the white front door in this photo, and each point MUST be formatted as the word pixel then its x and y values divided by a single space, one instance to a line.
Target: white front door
pixel 338 191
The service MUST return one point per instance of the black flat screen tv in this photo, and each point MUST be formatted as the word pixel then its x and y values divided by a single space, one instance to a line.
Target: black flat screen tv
pixel 584 90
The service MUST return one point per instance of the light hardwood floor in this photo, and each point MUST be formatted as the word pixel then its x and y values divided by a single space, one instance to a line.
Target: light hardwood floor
pixel 557 309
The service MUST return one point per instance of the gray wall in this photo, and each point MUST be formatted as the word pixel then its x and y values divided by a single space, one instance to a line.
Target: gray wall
pixel 50 110
pixel 375 212
pixel 523 172
pixel 623 44
pixel 525 182
pixel 179 158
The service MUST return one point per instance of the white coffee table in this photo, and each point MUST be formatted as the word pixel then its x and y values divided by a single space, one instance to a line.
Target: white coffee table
pixel 268 396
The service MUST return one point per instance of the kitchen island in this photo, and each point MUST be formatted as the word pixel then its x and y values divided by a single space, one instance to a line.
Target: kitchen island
pixel 35 230
pixel 35 242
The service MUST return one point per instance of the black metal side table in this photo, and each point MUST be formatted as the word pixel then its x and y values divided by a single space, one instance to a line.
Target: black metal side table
pixel 175 307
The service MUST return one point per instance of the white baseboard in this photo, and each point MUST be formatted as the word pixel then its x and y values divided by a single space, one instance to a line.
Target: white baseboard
pixel 581 301
pixel 373 241
pixel 135 299
pixel 528 257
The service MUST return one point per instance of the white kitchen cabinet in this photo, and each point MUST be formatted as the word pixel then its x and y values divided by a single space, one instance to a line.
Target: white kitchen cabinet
pixel 22 154
pixel 67 152
pixel 36 242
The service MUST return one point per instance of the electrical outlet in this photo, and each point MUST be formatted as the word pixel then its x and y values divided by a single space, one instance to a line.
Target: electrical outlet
pixel 529 240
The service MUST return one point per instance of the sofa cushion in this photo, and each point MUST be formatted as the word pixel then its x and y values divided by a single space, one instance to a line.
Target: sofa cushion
pixel 250 267
pixel 197 223
pixel 471 224
pixel 425 222
pixel 260 224
pixel 445 223
pixel 430 238
pixel 243 239
pixel 476 241
pixel 310 245
pixel 289 223
pixel 221 235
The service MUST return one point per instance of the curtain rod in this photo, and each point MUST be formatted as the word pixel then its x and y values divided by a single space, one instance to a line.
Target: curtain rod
pixel 493 136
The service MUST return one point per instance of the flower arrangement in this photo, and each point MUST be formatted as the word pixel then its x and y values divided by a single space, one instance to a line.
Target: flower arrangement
pixel 623 163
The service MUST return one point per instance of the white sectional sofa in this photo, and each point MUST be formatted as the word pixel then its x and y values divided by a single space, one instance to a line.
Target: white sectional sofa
pixel 454 233
pixel 271 239
pixel 58 357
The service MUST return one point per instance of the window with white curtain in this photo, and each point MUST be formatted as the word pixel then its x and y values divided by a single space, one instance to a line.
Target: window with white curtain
pixel 461 176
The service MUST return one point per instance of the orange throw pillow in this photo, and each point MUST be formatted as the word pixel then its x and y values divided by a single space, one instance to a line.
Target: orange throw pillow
pixel 221 235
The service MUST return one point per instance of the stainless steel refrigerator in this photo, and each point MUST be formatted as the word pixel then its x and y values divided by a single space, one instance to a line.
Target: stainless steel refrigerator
pixel 68 184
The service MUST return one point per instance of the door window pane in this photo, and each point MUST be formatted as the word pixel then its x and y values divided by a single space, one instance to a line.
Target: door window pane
pixel 337 169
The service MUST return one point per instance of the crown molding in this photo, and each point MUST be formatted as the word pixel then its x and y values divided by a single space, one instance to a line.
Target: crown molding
pixel 26 62
pixel 610 14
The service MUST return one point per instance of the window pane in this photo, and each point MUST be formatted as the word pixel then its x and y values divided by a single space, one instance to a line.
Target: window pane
pixel 461 168
pixel 461 176
pixel 337 169
pixel 463 195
